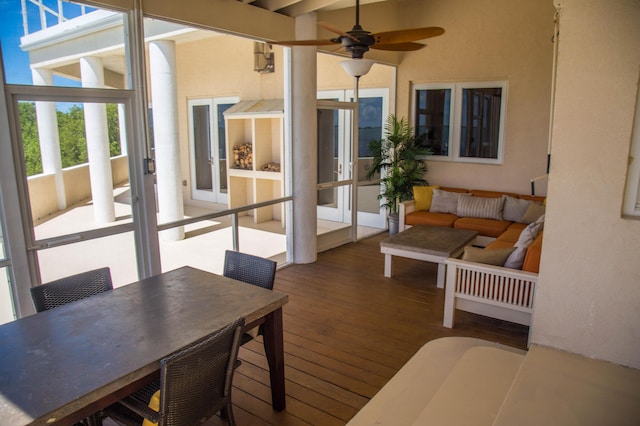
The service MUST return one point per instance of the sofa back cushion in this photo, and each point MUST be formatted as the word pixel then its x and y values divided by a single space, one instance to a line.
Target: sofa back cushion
pixel 514 208
pixel 527 236
pixel 532 258
pixel 445 201
pixel 490 194
pixel 533 213
pixel 480 207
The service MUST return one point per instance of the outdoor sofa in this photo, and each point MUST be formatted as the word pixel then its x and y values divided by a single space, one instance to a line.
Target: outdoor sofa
pixel 498 278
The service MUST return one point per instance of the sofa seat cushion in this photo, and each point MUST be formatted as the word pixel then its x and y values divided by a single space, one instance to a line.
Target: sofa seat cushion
pixel 499 244
pixel 489 256
pixel 423 217
pixel 486 227
pixel 512 233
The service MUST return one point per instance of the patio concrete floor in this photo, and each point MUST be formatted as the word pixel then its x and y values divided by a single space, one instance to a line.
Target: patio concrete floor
pixel 203 246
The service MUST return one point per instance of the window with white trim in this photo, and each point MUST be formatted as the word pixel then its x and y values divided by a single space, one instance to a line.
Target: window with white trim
pixel 461 121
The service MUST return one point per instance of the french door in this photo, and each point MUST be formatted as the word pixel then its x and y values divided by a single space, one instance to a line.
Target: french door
pixel 208 154
pixel 334 161
pixel 336 151
pixel 89 213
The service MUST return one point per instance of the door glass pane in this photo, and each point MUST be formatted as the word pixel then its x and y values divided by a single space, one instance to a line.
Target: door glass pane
pixel 77 181
pixel 115 251
pixel 329 167
pixel 202 147
pixel 77 178
pixel 370 123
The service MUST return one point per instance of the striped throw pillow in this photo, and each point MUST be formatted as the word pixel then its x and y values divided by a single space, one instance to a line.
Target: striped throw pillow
pixel 480 207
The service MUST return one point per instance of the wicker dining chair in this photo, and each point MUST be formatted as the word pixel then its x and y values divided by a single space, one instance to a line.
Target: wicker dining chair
pixel 249 269
pixel 69 289
pixel 252 270
pixel 195 383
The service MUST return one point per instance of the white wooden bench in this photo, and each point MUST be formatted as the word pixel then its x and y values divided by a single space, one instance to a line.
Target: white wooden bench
pixel 492 291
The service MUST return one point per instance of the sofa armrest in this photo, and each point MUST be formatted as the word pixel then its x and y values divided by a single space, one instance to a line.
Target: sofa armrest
pixel 493 291
pixel 406 207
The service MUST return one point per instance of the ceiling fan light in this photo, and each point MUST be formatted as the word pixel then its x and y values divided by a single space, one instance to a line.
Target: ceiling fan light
pixel 357 67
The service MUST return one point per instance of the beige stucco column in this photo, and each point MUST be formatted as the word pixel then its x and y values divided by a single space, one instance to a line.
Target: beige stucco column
pixel 97 133
pixel 304 142
pixel 48 135
pixel 162 68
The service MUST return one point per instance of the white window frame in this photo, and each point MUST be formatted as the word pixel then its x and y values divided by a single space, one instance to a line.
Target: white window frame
pixel 631 205
pixel 455 118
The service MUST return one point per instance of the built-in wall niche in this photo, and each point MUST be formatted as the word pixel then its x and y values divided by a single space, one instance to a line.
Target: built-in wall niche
pixel 255 143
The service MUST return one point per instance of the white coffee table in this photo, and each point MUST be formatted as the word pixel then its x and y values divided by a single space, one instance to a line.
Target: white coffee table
pixel 429 243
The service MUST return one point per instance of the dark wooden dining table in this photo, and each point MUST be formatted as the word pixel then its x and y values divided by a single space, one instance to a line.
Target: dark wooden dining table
pixel 62 365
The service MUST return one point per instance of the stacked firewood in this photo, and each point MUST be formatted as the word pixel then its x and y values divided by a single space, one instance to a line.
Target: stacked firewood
pixel 243 156
pixel 271 167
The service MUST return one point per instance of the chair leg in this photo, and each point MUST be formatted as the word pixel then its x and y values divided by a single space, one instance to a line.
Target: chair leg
pixel 227 413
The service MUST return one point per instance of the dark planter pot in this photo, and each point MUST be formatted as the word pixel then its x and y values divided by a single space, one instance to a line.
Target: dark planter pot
pixel 394 223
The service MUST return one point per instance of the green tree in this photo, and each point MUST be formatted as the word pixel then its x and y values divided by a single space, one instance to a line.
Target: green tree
pixel 113 126
pixel 71 131
pixel 30 140
pixel 73 142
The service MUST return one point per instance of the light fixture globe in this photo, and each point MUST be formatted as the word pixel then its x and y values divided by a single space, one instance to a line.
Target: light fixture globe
pixel 357 67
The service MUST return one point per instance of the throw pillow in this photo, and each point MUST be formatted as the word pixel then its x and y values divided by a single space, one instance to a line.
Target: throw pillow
pixel 528 234
pixel 445 201
pixel 514 208
pixel 423 195
pixel 480 207
pixel 495 257
pixel 534 211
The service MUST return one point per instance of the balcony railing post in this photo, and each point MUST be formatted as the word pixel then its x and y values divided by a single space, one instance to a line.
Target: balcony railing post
pixel 235 232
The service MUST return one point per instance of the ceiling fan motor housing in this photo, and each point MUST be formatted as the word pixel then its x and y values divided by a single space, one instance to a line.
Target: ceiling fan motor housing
pixel 358 42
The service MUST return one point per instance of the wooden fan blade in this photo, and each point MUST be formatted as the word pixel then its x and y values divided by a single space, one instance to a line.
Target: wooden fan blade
pixel 302 42
pixel 400 47
pixel 337 30
pixel 408 35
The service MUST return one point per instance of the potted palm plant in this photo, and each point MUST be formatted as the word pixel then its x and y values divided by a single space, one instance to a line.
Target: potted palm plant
pixel 399 159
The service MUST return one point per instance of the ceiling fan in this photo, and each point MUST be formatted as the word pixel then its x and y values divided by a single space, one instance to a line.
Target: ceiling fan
pixel 358 41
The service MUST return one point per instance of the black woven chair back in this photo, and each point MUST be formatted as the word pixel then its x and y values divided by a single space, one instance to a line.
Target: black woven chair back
pixel 250 269
pixel 196 382
pixel 69 289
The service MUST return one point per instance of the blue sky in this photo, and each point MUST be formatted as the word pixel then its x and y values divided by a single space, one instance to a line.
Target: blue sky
pixel 16 62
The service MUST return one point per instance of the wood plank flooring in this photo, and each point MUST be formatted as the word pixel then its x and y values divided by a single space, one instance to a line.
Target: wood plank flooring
pixel 347 330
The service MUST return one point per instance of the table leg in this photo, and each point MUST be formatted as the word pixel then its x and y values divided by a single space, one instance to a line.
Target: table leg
pixel 274 349
pixel 387 265
pixel 442 270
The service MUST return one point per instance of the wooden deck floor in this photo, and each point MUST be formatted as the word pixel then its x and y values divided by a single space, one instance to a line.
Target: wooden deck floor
pixel 347 330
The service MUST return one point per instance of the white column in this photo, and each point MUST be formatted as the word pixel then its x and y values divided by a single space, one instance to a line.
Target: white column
pixel 48 136
pixel 304 142
pixel 95 121
pixel 162 68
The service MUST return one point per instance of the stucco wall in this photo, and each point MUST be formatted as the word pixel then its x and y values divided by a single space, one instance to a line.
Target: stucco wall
pixel 218 67
pixel 77 186
pixel 588 298
pixel 489 40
